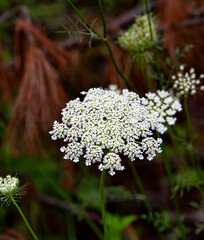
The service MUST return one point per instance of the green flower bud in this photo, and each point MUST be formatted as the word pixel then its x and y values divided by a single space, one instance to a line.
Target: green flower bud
pixel 138 38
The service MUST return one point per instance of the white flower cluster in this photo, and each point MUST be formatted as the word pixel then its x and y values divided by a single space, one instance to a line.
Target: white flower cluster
pixel 108 124
pixel 164 105
pixel 187 83
pixel 8 186
pixel 138 37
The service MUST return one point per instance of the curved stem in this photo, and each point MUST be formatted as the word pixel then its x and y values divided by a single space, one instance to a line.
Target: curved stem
pixel 109 47
pixel 83 18
pixel 117 68
pixel 103 210
pixel 103 17
pixel 24 219
pixel 103 38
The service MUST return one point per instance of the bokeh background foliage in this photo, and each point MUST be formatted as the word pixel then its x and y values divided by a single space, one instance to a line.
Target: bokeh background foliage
pixel 41 68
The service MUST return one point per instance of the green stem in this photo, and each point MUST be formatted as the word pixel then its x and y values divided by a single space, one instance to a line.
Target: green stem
pixel 94 227
pixel 189 124
pixel 183 164
pixel 117 68
pixel 175 199
pixel 146 73
pixel 109 47
pixel 102 38
pixel 142 191
pixel 102 17
pixel 102 201
pixel 24 219
pixel 63 193
pixel 154 48
pixel 192 153
pixel 149 19
pixel 84 19
pixel 140 186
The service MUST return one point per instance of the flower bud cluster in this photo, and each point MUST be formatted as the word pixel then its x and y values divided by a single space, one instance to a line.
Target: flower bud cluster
pixel 108 124
pixel 8 186
pixel 165 105
pixel 187 83
pixel 138 37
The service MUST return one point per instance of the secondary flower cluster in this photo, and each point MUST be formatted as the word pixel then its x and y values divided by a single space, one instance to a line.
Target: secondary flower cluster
pixel 108 124
pixel 165 105
pixel 139 38
pixel 8 186
pixel 187 83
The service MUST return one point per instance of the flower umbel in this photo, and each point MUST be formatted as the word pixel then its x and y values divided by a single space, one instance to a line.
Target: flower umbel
pixel 165 106
pixel 105 126
pixel 9 193
pixel 138 37
pixel 9 188
pixel 187 83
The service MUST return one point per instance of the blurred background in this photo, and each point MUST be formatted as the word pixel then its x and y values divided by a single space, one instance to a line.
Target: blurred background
pixel 45 61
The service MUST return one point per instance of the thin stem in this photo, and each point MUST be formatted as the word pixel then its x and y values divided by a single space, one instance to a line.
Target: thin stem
pixel 94 227
pixel 117 68
pixel 102 201
pixel 24 219
pixel 141 188
pixel 176 144
pixel 192 154
pixel 142 191
pixel 103 38
pixel 189 124
pixel 154 48
pixel 63 193
pixel 149 19
pixel 146 73
pixel 83 18
pixel 102 17
pixel 175 199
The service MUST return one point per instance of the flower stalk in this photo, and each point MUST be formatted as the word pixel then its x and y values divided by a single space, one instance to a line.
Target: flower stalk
pixel 24 219
pixel 9 192
pixel 103 210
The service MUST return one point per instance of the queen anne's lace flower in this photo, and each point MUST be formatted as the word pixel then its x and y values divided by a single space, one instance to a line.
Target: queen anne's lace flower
pixel 8 186
pixel 164 105
pixel 108 124
pixel 138 37
pixel 187 83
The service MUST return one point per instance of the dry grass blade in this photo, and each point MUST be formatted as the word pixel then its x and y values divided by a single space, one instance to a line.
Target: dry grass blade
pixel 58 55
pixel 39 101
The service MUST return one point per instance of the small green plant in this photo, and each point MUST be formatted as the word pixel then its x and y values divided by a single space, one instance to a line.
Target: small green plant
pixel 10 192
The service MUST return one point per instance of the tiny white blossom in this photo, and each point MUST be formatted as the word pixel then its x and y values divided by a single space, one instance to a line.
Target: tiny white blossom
pixel 186 83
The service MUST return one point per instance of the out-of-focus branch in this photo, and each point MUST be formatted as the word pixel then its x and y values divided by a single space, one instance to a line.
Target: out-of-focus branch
pixel 70 207
pixel 195 18
pixel 129 16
